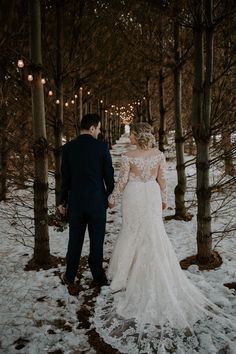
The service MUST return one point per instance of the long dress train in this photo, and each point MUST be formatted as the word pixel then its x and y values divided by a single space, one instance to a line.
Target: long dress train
pixel 151 306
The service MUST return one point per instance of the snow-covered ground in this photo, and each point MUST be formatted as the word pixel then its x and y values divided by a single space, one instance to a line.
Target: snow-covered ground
pixel 37 315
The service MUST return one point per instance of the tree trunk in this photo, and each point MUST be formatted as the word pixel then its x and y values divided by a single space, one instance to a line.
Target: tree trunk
pixel 3 153
pixel 40 147
pixel 227 147
pixel 58 124
pixel 110 132
pixel 180 189
pixel 148 103
pixel 162 129
pixel 201 128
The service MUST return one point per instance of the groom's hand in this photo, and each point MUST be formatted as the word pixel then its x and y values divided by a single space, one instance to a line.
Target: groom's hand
pixel 62 209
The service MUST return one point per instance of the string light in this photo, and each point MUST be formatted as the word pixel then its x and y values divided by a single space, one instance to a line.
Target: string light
pixel 43 81
pixel 72 101
pixel 57 101
pixel 30 77
pixel 101 101
pixel 20 63
pixel 76 96
pixel 50 93
pixel 89 92
pixel 66 104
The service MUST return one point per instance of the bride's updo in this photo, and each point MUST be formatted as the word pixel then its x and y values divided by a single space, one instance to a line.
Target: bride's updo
pixel 143 135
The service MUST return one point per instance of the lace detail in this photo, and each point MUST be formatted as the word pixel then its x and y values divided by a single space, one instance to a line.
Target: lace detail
pixel 141 169
pixel 161 178
pixel 131 336
pixel 151 306
pixel 122 179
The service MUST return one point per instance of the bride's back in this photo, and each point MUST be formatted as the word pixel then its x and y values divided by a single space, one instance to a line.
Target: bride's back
pixel 143 164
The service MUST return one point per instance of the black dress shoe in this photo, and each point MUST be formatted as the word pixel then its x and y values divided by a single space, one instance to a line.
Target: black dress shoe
pixel 99 282
pixel 72 287
pixel 65 281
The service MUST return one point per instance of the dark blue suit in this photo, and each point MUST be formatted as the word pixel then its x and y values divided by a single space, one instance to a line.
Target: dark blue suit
pixel 87 180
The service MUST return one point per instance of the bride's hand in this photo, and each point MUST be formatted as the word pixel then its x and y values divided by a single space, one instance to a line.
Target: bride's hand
pixel 164 206
pixel 110 205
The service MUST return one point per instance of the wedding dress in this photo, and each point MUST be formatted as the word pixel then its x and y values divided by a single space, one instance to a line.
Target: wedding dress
pixel 151 306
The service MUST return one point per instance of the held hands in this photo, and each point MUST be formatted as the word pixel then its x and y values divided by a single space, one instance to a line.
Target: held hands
pixel 62 209
pixel 110 205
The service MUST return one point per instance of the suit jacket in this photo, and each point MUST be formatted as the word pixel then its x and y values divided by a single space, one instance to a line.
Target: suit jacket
pixel 87 176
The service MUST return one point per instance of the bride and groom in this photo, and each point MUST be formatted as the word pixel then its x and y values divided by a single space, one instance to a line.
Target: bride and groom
pixel 150 305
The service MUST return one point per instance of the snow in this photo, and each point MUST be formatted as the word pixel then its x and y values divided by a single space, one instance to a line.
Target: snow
pixel 36 309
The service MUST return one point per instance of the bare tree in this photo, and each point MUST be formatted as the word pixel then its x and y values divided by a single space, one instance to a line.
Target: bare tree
pixel 41 248
pixel 201 127
pixel 180 189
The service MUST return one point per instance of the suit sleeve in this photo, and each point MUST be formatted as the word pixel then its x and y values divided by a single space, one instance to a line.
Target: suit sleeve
pixel 108 171
pixel 65 177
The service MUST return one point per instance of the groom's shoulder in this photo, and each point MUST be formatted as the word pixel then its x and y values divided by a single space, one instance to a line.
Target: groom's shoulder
pixel 69 144
pixel 101 144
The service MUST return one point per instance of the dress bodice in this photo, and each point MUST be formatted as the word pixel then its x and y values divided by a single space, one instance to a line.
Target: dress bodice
pixel 141 166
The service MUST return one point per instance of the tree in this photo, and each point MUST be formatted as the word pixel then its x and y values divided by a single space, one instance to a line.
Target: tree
pixel 180 189
pixel 201 126
pixel 41 248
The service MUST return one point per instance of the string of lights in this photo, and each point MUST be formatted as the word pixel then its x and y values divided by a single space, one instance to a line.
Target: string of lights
pixel 126 113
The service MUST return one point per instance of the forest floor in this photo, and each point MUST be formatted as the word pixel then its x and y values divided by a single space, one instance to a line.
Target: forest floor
pixel 37 315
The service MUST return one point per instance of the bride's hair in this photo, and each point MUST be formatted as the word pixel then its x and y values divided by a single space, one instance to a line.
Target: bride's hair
pixel 143 135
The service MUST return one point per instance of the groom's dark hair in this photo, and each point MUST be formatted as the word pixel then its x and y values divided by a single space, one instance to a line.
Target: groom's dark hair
pixel 88 120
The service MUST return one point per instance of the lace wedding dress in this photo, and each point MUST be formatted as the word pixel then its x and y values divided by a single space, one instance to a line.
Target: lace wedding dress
pixel 151 306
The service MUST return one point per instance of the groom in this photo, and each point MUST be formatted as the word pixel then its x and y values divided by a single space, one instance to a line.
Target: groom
pixel 87 180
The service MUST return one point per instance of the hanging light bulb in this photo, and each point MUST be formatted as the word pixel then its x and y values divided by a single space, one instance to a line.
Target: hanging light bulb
pixel 57 101
pixel 20 63
pixel 66 104
pixel 50 93
pixel 76 96
pixel 101 101
pixel 89 92
pixel 81 88
pixel 43 81
pixel 30 77
pixel 72 101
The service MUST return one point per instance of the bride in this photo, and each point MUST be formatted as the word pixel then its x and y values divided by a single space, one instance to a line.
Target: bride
pixel 151 306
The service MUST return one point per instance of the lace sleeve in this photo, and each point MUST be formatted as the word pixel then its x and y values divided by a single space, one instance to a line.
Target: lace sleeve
pixel 122 179
pixel 161 178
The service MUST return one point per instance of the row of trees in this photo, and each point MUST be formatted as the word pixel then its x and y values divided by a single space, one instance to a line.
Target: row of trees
pixel 156 56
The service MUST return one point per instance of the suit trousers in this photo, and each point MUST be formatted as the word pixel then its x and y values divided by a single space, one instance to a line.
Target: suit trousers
pixel 96 228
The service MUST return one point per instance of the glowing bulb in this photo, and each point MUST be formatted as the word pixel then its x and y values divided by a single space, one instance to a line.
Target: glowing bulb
pixel 57 101
pixel 81 88
pixel 76 96
pixel 66 104
pixel 89 92
pixel 72 101
pixel 101 101
pixel 20 63
pixel 43 81
pixel 30 77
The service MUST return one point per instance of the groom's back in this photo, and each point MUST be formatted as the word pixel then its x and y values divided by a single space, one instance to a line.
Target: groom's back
pixel 85 158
